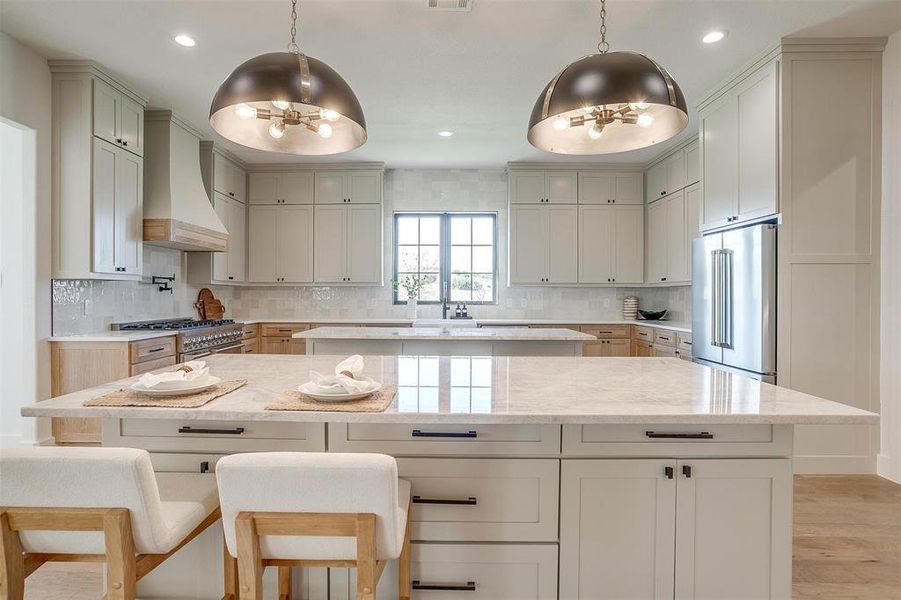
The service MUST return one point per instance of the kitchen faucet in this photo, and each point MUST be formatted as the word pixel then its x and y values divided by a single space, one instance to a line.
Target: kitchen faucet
pixel 444 302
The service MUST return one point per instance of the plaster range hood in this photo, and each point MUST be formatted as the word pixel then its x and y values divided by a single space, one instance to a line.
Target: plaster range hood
pixel 177 210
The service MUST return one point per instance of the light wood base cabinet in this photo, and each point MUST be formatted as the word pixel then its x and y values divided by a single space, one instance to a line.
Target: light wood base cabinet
pixel 707 528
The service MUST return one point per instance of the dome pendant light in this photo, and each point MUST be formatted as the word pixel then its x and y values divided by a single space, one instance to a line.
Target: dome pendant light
pixel 607 102
pixel 288 102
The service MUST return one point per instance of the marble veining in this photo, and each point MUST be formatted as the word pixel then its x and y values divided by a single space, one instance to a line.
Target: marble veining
pixel 439 334
pixel 511 390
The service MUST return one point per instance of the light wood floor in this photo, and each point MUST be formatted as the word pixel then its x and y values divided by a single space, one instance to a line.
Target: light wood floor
pixel 847 545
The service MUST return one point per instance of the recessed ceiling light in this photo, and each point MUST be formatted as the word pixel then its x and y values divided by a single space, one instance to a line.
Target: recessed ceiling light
pixel 445 133
pixel 713 37
pixel 185 40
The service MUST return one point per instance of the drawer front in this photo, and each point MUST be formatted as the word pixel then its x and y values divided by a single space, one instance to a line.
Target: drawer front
pixel 683 342
pixel 465 572
pixel 151 349
pixel 483 499
pixel 431 440
pixel 663 351
pixel 283 329
pixel 677 440
pixel 168 435
pixel 608 331
pixel 665 338
pixel 250 347
pixel 151 365
pixel 643 333
pixel 251 331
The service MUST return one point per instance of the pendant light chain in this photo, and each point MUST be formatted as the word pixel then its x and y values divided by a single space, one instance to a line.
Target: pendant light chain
pixel 603 46
pixel 293 48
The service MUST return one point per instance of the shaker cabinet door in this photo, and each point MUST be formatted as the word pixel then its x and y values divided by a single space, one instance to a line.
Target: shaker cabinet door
pixel 719 163
pixel 222 206
pixel 628 244
pixel 656 242
pixel 237 242
pixel 528 244
pixel 596 225
pixel 131 126
pixel 263 241
pixel 364 242
pixel 129 213
pixel 295 243
pixel 563 243
pixel 103 192
pixel 330 252
pixel 106 107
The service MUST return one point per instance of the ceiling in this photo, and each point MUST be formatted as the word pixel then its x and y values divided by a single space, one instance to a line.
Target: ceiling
pixel 417 71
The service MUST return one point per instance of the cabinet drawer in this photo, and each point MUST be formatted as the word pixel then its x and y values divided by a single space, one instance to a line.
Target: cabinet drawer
pixel 151 365
pixel 676 440
pixel 425 439
pixel 608 331
pixel 251 331
pixel 643 333
pixel 465 572
pixel 167 435
pixel 151 349
pixel 662 350
pixel 665 338
pixel 250 347
pixel 483 499
pixel 683 342
pixel 283 329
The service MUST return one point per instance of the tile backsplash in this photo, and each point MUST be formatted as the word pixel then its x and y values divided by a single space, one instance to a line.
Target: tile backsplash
pixel 89 306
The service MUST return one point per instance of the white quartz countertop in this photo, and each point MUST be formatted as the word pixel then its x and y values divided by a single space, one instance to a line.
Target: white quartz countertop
pixel 510 390
pixel 440 333
pixel 112 336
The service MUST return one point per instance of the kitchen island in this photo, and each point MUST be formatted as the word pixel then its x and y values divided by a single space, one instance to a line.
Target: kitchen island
pixel 444 341
pixel 608 477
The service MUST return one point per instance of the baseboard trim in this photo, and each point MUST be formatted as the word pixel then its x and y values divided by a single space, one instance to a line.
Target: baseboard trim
pixel 886 467
pixel 834 465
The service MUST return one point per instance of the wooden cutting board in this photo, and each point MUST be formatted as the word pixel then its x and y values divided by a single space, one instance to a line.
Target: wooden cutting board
pixel 208 306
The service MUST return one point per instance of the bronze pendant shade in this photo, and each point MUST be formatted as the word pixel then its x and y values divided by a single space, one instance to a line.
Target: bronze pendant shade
pixel 288 102
pixel 607 102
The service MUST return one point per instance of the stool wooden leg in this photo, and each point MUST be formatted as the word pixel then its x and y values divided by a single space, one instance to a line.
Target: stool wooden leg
pixel 366 561
pixel 12 562
pixel 403 564
pixel 250 563
pixel 230 571
pixel 121 575
pixel 284 583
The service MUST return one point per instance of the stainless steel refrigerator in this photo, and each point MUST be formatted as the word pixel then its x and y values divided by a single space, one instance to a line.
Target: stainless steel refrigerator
pixel 734 300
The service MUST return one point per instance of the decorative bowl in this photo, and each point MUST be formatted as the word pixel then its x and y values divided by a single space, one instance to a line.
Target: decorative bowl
pixel 652 315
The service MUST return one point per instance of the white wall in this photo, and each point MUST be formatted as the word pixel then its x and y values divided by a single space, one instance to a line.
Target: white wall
pixel 25 103
pixel 889 460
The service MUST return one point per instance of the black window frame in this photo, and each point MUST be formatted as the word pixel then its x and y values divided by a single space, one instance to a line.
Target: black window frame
pixel 444 272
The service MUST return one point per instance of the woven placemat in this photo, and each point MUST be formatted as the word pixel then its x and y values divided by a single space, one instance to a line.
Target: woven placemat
pixel 295 400
pixel 126 397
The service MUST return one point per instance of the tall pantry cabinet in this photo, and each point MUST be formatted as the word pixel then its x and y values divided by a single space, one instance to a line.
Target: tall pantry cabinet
pixel 97 174
pixel 797 133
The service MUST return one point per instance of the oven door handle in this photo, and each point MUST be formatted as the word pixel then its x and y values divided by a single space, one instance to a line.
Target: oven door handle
pixel 195 355
pixel 232 347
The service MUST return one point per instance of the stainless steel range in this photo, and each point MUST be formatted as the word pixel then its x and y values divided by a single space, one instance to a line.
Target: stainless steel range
pixel 195 339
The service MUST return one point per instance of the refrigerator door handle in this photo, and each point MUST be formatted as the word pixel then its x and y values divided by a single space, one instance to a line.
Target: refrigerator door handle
pixel 728 305
pixel 715 313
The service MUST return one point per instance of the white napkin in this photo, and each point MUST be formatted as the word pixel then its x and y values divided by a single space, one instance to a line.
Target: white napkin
pixel 198 371
pixel 340 383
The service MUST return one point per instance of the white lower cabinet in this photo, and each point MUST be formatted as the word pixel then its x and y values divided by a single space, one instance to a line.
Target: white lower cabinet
pixel 466 572
pixel 686 529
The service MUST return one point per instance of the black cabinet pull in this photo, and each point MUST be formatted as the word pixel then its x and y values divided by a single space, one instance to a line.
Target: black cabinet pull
pixel 445 434
pixel 668 472
pixel 469 586
pixel 471 501
pixel 235 431
pixel 662 435
pixel 160 349
pixel 686 471
pixel 205 466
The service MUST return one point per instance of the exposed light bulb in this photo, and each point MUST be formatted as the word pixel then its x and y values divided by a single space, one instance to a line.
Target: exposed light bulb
pixel 638 105
pixel 324 130
pixel 561 123
pixel 595 131
pixel 329 114
pixel 586 110
pixel 277 129
pixel 713 37
pixel 281 104
pixel 645 120
pixel 245 111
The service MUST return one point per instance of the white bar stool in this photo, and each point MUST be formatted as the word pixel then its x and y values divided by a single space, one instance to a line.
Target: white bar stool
pixel 95 505
pixel 290 509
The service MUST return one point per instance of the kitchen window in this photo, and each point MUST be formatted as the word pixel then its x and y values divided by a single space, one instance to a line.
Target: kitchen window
pixel 457 250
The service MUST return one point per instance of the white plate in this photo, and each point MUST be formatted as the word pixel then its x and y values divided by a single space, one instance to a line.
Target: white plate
pixel 194 387
pixel 305 389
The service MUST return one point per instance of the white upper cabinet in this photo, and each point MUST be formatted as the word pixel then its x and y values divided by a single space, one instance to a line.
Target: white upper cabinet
pixel 228 178
pixel 348 243
pixel 656 182
pixel 693 163
pixel 611 244
pixel 229 266
pixel 544 187
pixel 672 225
pixel 348 187
pixel 739 151
pixel 544 244
pixel 656 262
pixel 610 188
pixel 675 172
pixel 117 192
pixel 292 187
pixel 281 244
pixel 117 118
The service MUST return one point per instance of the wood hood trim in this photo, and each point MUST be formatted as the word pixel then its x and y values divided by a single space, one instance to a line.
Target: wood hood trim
pixel 172 233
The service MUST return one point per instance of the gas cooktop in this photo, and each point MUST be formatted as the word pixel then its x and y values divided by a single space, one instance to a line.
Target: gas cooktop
pixel 171 324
